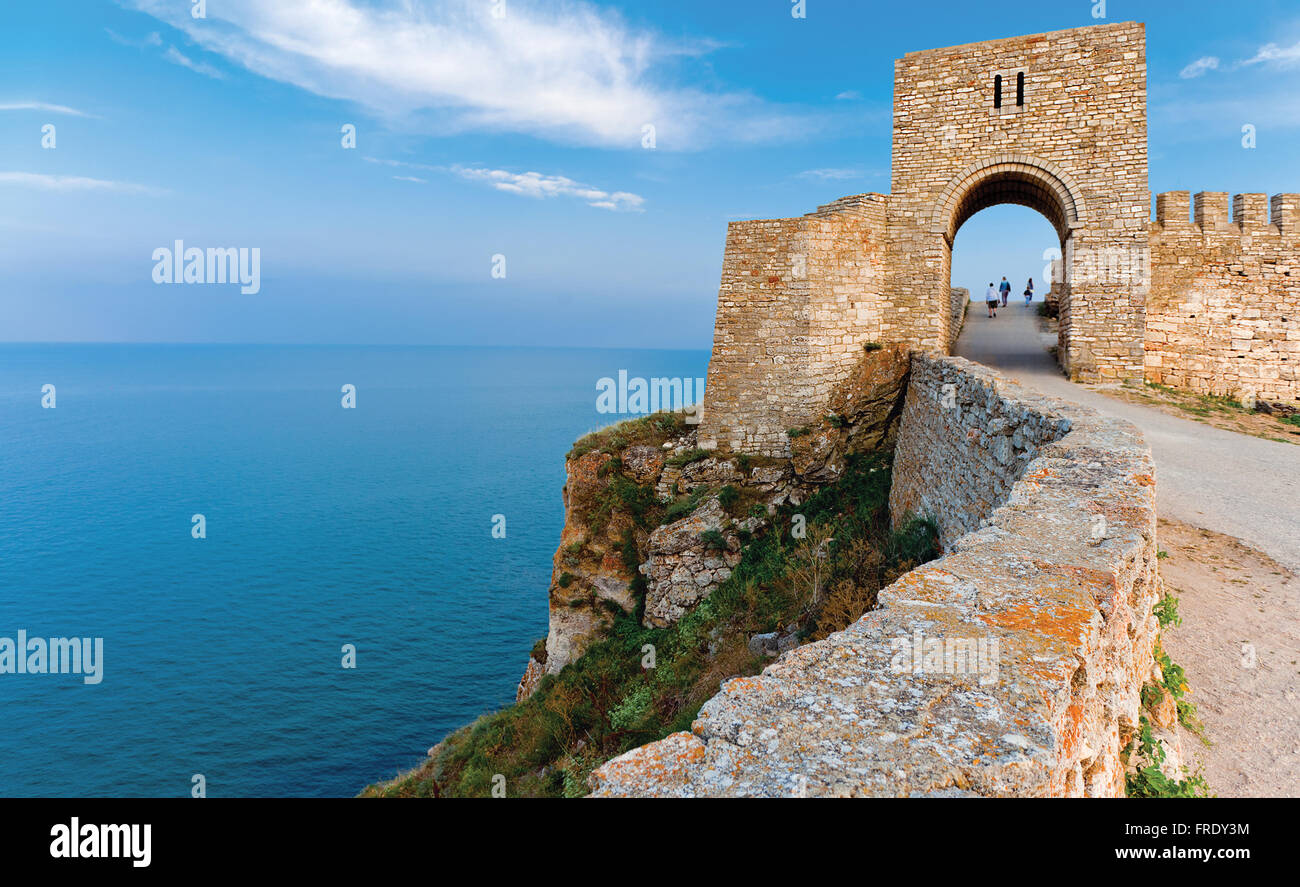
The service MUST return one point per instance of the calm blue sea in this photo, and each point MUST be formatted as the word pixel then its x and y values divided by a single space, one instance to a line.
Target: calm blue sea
pixel 325 527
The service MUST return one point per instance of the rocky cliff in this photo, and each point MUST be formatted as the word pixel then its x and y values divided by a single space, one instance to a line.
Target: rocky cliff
pixel 624 480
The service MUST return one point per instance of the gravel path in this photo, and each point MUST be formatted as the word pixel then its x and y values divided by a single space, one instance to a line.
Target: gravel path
pixel 1244 486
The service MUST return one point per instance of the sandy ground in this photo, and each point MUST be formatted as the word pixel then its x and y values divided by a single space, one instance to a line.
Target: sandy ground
pixel 1240 645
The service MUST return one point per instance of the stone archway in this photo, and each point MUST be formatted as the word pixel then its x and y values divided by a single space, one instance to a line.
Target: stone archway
pixel 1010 178
pixel 1021 180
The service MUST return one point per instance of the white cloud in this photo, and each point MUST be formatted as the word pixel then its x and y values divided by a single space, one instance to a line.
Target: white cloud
pixel 415 179
pixel 405 163
pixel 533 184
pixel 571 72
pixel 176 57
pixel 528 184
pixel 1271 54
pixel 1281 56
pixel 1199 67
pixel 72 183
pixel 850 95
pixel 43 106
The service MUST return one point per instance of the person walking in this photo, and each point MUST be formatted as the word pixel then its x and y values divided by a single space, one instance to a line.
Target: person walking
pixel 1005 288
pixel 1029 291
pixel 992 299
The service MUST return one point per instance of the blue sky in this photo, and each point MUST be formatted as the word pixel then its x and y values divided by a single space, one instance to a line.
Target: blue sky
pixel 520 136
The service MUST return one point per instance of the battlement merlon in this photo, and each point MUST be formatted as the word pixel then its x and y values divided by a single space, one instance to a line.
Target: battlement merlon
pixel 1214 212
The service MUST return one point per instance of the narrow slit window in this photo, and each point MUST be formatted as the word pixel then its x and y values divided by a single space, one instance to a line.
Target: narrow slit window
pixel 997 91
pixel 1020 89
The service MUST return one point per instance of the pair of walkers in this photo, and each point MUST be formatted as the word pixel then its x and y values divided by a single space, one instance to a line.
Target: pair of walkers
pixel 1002 292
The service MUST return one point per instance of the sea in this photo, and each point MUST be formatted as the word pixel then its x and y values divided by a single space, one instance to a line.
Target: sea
pixel 342 603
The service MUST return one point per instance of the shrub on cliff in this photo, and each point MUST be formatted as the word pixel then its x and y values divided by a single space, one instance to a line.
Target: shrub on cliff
pixel 653 429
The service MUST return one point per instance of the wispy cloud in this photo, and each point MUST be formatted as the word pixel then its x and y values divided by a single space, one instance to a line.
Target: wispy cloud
pixel 570 72
pixel 176 57
pixel 43 106
pixel 1281 56
pixel 72 183
pixel 407 164
pixel 416 179
pixel 834 175
pixel 1199 67
pixel 1271 54
pixel 526 184
pixel 533 184
pixel 850 95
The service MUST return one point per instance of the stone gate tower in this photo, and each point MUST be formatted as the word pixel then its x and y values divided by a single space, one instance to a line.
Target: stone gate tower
pixel 1055 122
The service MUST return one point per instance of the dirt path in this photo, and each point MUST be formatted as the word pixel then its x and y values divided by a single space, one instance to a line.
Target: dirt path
pixel 1244 486
pixel 1240 644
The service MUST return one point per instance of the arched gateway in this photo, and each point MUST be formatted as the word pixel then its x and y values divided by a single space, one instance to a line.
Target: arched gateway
pixel 1055 122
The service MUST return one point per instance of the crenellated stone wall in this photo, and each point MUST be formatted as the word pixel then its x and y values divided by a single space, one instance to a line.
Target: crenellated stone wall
pixel 1012 665
pixel 1223 314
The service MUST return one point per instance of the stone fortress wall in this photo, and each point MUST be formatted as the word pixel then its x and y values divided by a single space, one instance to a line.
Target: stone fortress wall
pixel 1223 313
pixel 1055 122
pixel 1050 573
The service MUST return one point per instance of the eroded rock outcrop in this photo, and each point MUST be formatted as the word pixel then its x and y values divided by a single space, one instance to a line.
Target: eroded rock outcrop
pixel 589 575
pixel 863 416
pixel 645 520
pixel 688 559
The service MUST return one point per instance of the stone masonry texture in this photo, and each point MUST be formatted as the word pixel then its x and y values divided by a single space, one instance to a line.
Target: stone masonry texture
pixel 1049 569
pixel 1208 304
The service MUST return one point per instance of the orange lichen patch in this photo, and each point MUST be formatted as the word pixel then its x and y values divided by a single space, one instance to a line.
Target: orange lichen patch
pixel 1065 623
pixel 1032 478
pixel 585 468
pixel 739 686
pixel 1071 732
pixel 1122 514
pixel 1144 480
pixel 1050 676
pixel 669 757
pixel 1094 580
